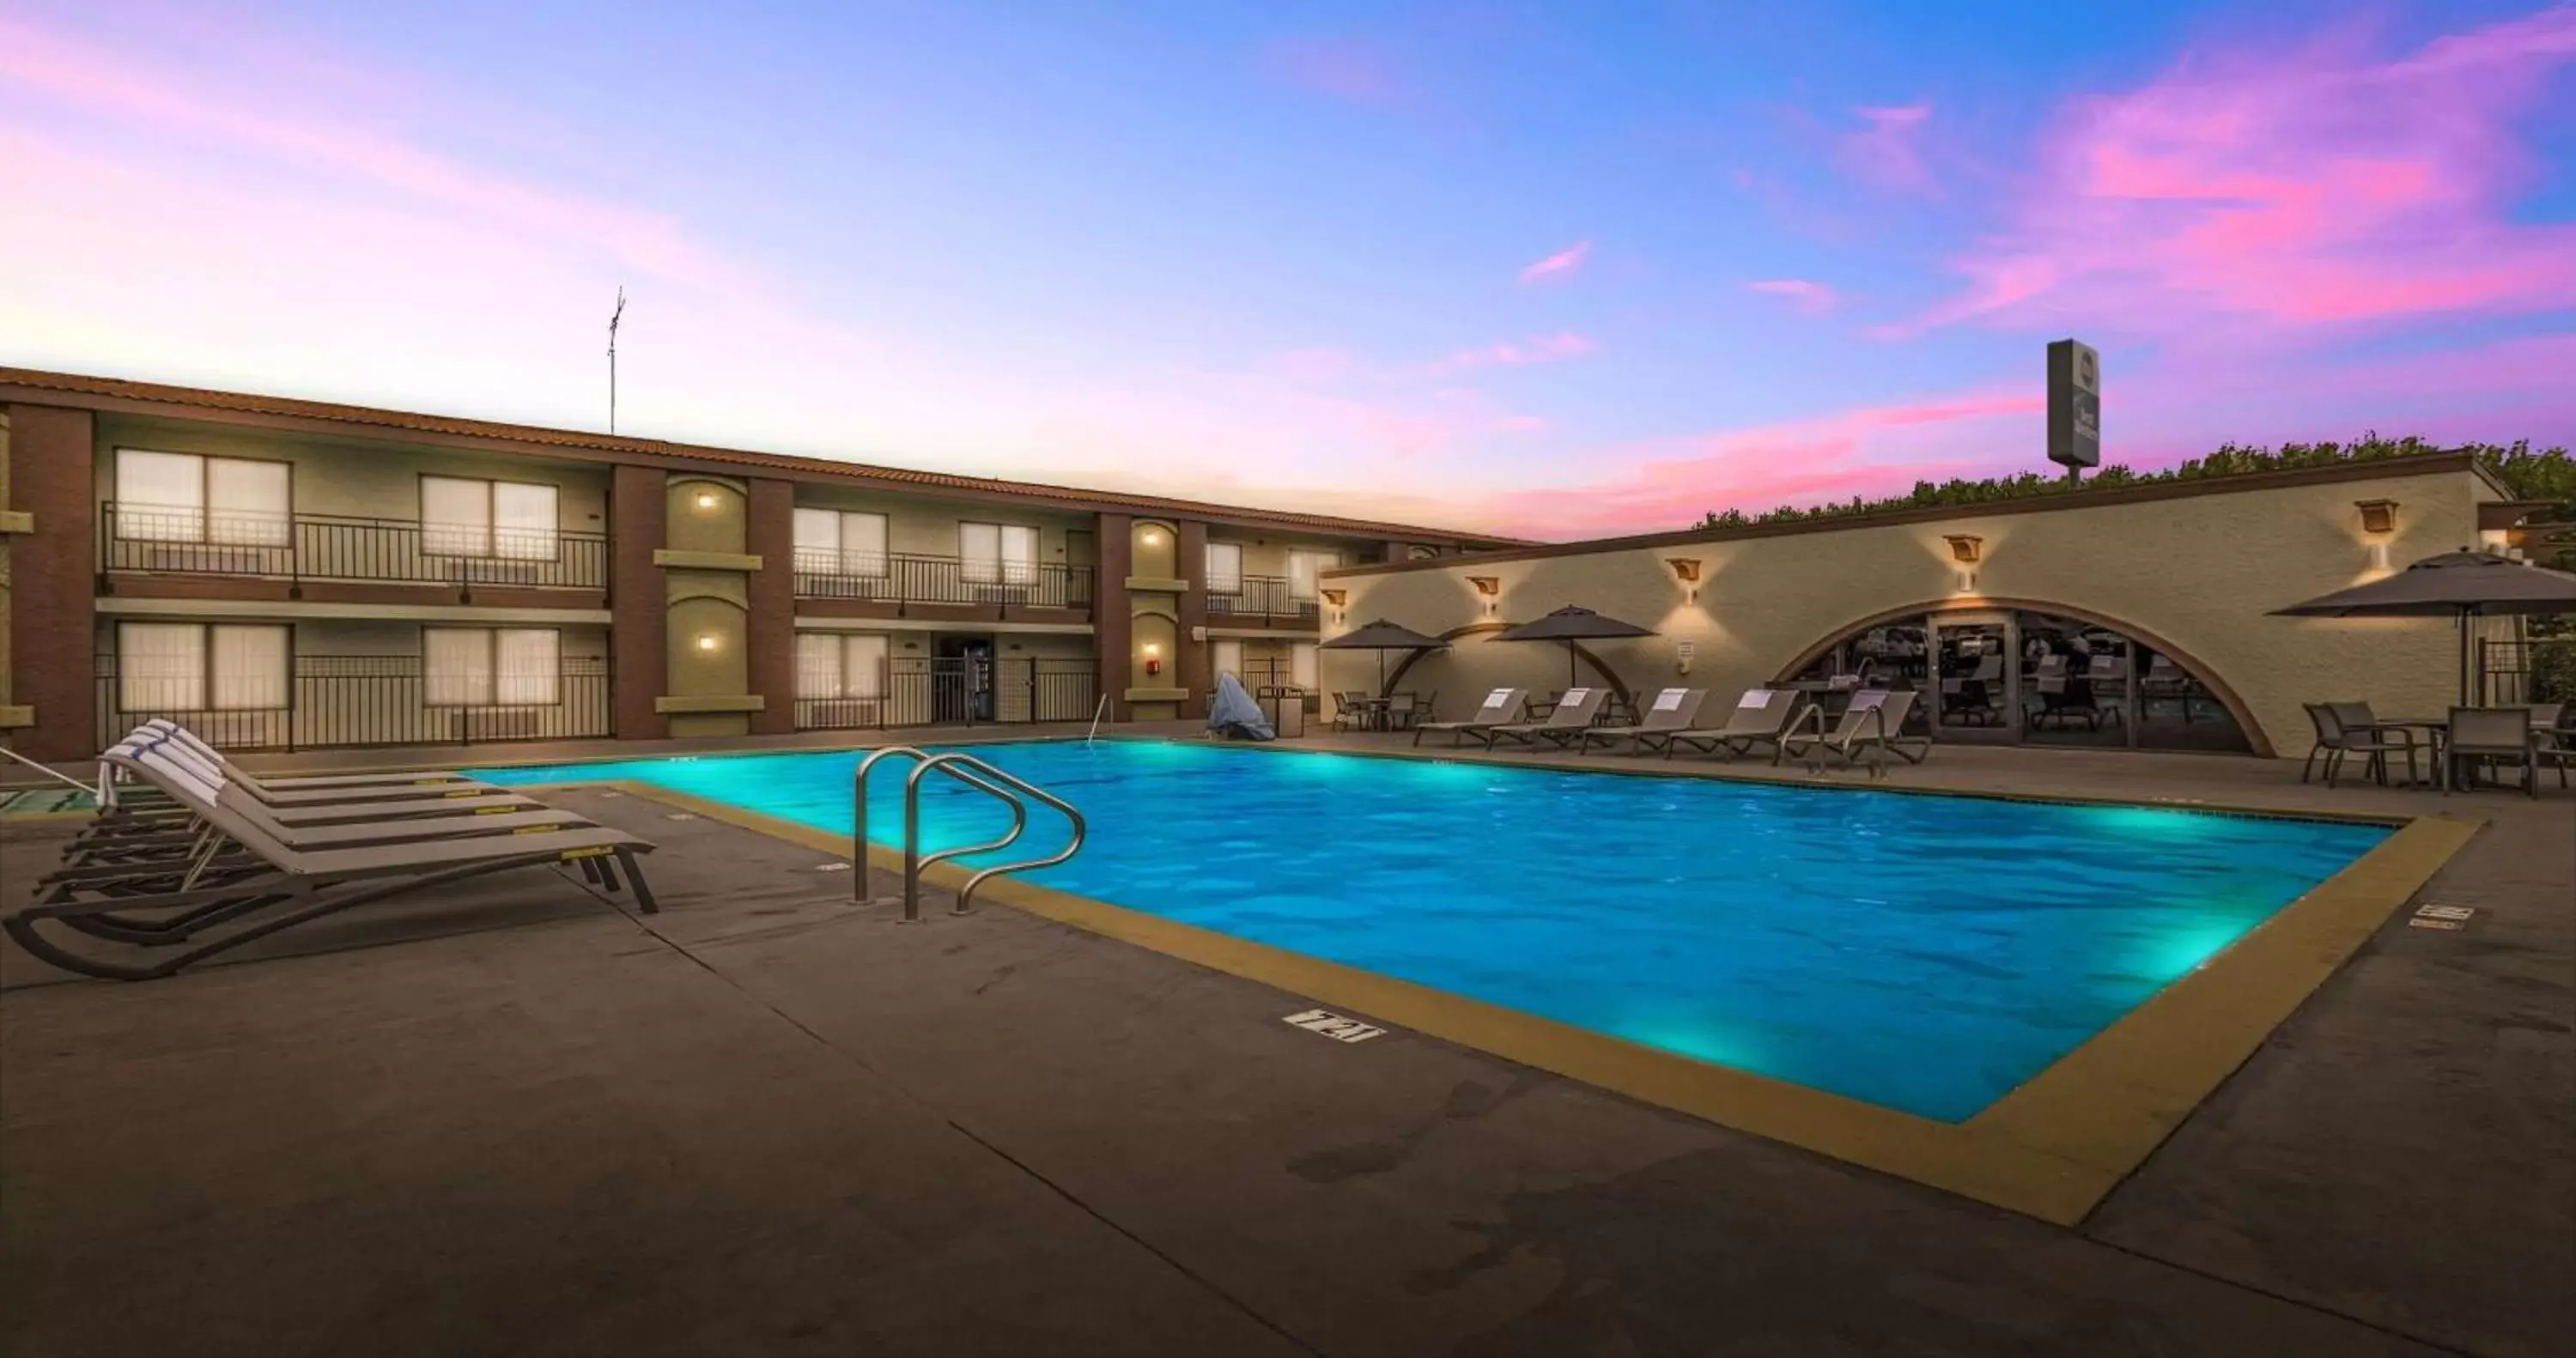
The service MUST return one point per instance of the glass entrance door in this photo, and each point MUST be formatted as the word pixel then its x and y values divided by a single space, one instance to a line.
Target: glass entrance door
pixel 1977 658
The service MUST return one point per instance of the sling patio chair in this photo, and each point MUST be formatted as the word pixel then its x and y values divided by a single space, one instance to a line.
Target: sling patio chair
pixel 1500 708
pixel 1575 711
pixel 1761 717
pixel 2492 735
pixel 1875 722
pixel 1672 710
pixel 2355 729
pixel 242 876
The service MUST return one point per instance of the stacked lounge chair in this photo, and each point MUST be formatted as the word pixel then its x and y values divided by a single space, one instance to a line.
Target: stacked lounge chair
pixel 1574 713
pixel 211 853
pixel 1501 708
pixel 1875 723
pixel 1672 710
pixel 1761 717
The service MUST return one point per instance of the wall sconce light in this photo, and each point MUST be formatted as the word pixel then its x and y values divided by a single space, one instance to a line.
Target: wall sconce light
pixel 706 499
pixel 706 641
pixel 2378 523
pixel 1967 549
pixel 1153 537
pixel 1335 596
pixel 1153 657
pixel 1686 570
pixel 1488 586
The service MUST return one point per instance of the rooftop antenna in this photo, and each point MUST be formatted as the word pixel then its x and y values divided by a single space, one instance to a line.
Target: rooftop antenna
pixel 612 356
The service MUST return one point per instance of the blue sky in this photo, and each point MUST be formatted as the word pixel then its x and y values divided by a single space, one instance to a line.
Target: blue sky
pixel 1287 253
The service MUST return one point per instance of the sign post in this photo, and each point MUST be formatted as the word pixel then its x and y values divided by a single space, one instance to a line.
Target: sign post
pixel 2074 407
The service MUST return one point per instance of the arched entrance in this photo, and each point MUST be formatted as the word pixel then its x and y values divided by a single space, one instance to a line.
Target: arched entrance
pixel 2031 672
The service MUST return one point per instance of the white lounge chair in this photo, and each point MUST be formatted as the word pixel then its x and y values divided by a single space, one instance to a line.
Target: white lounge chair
pixel 1501 708
pixel 1672 710
pixel 1761 717
pixel 1574 713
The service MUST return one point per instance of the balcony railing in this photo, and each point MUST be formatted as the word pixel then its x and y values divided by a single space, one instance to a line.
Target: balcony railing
pixel 169 541
pixel 1264 599
pixel 908 578
pixel 956 691
pixel 339 701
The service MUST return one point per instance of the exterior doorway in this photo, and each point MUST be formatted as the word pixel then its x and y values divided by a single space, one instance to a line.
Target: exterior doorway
pixel 961 679
pixel 1978 659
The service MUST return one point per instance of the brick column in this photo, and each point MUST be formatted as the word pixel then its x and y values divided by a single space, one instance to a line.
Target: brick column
pixel 1196 673
pixel 1112 625
pixel 638 601
pixel 53 619
pixel 771 536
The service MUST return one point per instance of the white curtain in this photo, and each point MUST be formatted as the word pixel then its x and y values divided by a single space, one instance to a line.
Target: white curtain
pixel 247 502
pixel 160 667
pixel 528 666
pixel 160 497
pixel 1225 569
pixel 523 521
pixel 455 516
pixel 1302 568
pixel 1229 658
pixel 1019 554
pixel 863 664
pixel 818 665
pixel 456 666
pixel 863 544
pixel 1301 665
pixel 250 668
pixel 818 542
pixel 979 552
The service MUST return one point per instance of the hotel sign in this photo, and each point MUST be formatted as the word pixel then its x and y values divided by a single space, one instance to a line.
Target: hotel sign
pixel 2074 404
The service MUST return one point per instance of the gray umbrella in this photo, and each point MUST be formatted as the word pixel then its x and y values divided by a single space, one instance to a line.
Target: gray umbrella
pixel 2453 585
pixel 1382 636
pixel 1570 625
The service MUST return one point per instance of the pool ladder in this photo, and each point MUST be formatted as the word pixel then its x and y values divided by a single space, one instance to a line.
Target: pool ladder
pixel 1013 791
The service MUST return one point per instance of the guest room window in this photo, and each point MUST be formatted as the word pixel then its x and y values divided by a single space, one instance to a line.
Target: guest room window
pixel 181 497
pixel 201 667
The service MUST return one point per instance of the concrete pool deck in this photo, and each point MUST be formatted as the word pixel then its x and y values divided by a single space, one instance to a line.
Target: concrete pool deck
pixel 766 1121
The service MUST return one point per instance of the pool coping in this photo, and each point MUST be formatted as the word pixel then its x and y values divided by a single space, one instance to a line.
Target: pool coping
pixel 2052 1148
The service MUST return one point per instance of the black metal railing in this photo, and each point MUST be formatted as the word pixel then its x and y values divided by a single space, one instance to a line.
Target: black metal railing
pixel 2538 670
pixel 910 578
pixel 959 691
pixel 167 541
pixel 340 701
pixel 1266 599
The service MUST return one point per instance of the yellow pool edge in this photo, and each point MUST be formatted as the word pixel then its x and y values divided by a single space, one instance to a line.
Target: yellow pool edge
pixel 2052 1149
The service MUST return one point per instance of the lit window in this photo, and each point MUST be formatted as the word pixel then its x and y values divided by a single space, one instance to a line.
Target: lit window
pixel 1225 568
pixel 988 553
pixel 839 665
pixel 838 542
pixel 513 520
pixel 181 497
pixel 197 667
pixel 490 666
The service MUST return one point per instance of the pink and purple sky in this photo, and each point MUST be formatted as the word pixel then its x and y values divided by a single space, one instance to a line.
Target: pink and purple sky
pixel 1550 270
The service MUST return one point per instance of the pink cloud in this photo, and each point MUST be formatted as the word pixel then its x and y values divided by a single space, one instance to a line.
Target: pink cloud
pixel 1871 450
pixel 2315 188
pixel 1522 424
pixel 1564 261
pixel 1341 69
pixel 1888 153
pixel 1556 348
pixel 1811 297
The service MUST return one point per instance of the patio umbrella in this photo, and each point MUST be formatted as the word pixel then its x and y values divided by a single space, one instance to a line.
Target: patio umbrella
pixel 1382 636
pixel 1570 625
pixel 2455 585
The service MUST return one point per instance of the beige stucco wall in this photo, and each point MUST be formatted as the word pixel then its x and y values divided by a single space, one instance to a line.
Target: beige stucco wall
pixel 358 479
pixel 2197 573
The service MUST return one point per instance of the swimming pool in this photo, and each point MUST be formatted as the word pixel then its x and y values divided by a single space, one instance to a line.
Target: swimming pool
pixel 1920 952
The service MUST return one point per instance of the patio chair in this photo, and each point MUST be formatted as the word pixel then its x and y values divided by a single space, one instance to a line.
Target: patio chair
pixel 1574 713
pixel 2497 735
pixel 2065 699
pixel 1674 709
pixel 244 876
pixel 2364 733
pixel 2336 741
pixel 1500 708
pixel 1875 721
pixel 1350 708
pixel 1402 710
pixel 288 792
pixel 1761 717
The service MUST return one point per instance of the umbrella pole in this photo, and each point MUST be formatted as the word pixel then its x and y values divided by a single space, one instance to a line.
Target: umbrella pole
pixel 1381 674
pixel 2467 698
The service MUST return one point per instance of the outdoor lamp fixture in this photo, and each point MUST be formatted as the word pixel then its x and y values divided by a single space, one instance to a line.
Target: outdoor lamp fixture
pixel 706 499
pixel 706 641
pixel 1153 537
pixel 1333 598
pixel 1488 586
pixel 1686 570
pixel 1153 658
pixel 1967 549
pixel 2378 523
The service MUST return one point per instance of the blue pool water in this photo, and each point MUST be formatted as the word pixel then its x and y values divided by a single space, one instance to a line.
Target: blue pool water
pixel 1924 953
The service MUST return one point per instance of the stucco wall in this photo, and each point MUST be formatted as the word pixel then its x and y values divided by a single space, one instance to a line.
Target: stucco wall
pixel 2197 573
pixel 358 479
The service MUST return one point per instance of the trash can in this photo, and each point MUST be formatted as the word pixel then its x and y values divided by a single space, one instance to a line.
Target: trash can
pixel 1285 705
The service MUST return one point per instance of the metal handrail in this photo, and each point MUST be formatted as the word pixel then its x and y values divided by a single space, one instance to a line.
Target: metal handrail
pixel 1011 789
pixel 1097 712
pixel 862 890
